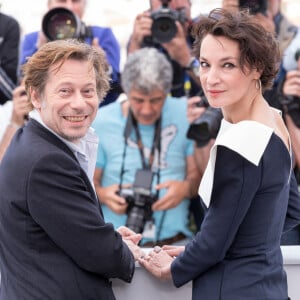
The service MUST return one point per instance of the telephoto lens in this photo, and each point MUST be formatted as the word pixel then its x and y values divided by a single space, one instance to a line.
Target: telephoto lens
pixel 60 23
pixel 207 126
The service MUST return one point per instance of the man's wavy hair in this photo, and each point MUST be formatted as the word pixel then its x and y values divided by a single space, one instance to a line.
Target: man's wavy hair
pixel 54 54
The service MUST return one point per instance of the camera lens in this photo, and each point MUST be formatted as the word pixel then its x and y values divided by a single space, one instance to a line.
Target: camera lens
pixel 136 219
pixel 254 6
pixel 206 127
pixel 60 23
pixel 163 29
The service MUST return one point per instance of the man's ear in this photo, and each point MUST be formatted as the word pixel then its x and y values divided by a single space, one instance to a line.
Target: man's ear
pixel 35 99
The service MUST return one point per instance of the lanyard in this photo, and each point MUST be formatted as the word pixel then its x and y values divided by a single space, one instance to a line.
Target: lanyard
pixel 156 144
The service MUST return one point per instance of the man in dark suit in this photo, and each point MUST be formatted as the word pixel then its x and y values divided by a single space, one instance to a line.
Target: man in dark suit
pixel 54 242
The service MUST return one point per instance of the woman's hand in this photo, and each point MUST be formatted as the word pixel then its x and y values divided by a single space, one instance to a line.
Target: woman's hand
pixel 158 263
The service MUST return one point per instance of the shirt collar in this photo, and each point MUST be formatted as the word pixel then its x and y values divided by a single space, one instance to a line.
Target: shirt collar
pixel 85 151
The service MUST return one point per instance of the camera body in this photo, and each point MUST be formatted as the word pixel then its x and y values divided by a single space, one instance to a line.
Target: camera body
pixel 206 127
pixel 164 26
pixel 140 199
pixel 61 23
pixel 291 105
pixel 254 6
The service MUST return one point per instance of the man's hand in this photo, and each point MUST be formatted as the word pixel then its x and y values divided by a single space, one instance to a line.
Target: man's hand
pixel 178 48
pixel 193 111
pixel 266 21
pixel 131 239
pixel 231 5
pixel 291 84
pixel 136 251
pixel 21 106
pixel 141 29
pixel 128 234
pixel 176 191
pixel 108 195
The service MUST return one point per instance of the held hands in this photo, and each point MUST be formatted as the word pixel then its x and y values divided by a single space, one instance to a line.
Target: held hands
pixel 173 250
pixel 131 239
pixel 158 263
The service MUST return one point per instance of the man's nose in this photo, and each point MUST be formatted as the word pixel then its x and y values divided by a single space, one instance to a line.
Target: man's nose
pixel 147 108
pixel 78 101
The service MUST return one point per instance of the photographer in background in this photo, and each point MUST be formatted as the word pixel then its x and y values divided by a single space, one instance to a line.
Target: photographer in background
pixel 166 26
pixel 9 56
pixel 144 149
pixel 152 29
pixel 13 115
pixel 102 37
pixel 289 100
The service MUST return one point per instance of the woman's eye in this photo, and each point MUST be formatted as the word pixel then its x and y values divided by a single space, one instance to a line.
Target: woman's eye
pixel 229 65
pixel 203 64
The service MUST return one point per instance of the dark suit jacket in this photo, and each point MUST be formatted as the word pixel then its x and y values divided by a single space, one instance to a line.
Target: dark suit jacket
pixel 54 242
pixel 236 255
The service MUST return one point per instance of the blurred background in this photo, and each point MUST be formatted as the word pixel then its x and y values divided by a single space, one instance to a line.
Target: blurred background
pixel 117 14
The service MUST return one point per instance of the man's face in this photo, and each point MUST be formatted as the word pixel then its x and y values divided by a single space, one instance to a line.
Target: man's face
pixel 76 6
pixel 146 108
pixel 69 102
pixel 175 5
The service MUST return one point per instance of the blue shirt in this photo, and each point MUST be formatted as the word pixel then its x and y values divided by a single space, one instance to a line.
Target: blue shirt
pixel 175 147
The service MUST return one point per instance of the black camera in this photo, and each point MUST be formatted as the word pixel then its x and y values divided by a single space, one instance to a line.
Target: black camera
pixel 206 127
pixel 139 199
pixel 164 26
pixel 61 23
pixel 291 105
pixel 254 6
pixel 297 54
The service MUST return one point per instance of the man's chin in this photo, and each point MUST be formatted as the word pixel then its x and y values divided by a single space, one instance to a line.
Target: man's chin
pixel 73 137
pixel 147 122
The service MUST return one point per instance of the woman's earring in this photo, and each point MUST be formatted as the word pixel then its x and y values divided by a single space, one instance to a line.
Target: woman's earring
pixel 258 84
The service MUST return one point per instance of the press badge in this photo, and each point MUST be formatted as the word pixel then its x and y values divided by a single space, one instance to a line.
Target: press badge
pixel 149 230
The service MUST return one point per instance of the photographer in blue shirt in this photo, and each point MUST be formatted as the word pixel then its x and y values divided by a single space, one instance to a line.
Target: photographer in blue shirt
pixel 144 149
pixel 97 36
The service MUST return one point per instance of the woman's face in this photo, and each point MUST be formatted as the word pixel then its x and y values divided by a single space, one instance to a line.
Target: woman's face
pixel 224 82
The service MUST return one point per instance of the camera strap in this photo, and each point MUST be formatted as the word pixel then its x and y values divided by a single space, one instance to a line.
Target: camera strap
pixel 131 123
pixel 156 144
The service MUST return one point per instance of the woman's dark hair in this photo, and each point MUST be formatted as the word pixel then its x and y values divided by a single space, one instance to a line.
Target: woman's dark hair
pixel 258 48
